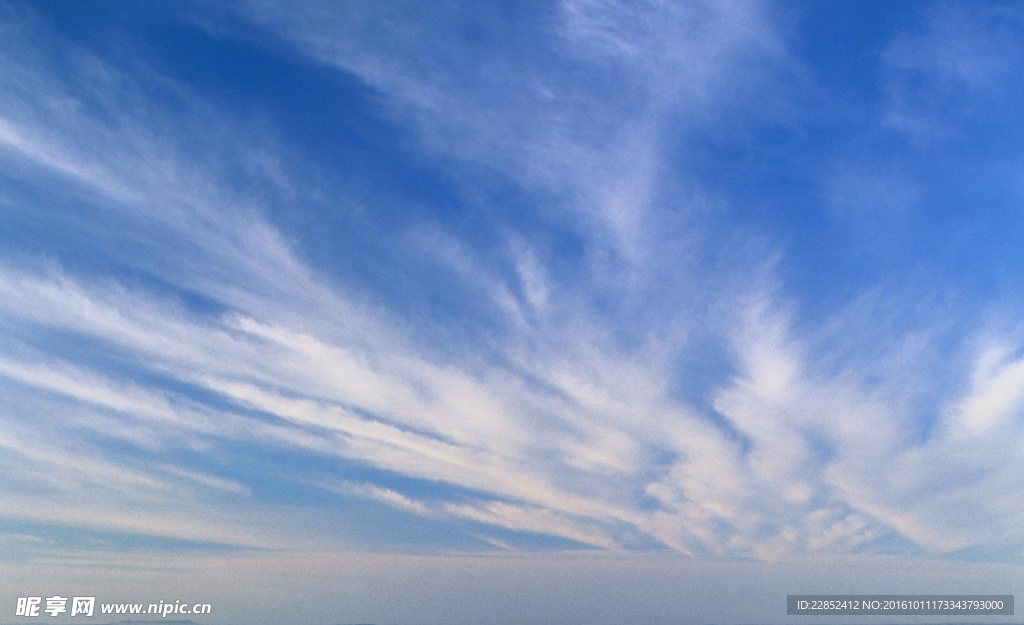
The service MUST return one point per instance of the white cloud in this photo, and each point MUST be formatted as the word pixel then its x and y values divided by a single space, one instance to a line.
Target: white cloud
pixel 584 131
pixel 960 67
pixel 384 495
pixel 571 425
pixel 997 392
pixel 534 519
pixel 87 387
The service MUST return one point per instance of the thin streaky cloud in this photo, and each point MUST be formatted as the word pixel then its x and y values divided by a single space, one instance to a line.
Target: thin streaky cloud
pixel 585 279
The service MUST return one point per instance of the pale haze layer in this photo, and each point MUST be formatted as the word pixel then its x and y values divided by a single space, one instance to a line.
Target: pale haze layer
pixel 578 311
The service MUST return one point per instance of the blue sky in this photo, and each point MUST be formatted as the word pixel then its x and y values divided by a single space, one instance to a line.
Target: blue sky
pixel 577 311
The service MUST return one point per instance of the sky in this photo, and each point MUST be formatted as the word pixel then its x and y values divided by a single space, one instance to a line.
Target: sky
pixel 567 311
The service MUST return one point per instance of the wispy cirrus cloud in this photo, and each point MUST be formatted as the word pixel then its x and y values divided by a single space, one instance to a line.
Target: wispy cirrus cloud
pixel 942 79
pixel 204 352
pixel 585 131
